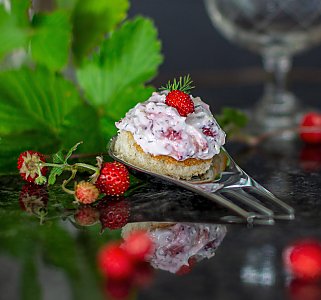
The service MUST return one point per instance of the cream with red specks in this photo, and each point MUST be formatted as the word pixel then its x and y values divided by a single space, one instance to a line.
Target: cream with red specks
pixel 160 130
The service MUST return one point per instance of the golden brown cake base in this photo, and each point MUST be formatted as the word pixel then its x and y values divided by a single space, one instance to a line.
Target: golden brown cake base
pixel 127 149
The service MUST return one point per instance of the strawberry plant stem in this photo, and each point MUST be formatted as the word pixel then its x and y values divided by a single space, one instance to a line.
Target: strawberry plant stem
pixel 65 182
pixel 70 167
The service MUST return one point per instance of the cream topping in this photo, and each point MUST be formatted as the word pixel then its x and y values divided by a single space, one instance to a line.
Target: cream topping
pixel 173 246
pixel 159 129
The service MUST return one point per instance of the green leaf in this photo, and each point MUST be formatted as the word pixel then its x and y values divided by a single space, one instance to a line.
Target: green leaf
pixel 126 99
pixel 82 124
pixel 51 41
pixel 114 79
pixel 35 100
pixel 19 8
pixel 71 151
pixel 55 171
pixel 12 35
pixel 58 158
pixel 232 120
pixel 92 19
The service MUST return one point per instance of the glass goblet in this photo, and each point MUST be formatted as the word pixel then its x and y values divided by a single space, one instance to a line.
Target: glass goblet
pixel 276 29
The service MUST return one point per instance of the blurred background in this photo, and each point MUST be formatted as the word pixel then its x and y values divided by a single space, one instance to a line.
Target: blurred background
pixel 224 72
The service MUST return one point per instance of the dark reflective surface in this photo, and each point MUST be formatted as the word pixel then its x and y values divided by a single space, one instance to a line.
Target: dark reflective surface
pixel 48 245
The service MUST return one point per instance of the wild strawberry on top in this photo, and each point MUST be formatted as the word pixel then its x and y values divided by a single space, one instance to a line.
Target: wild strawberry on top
pixel 178 95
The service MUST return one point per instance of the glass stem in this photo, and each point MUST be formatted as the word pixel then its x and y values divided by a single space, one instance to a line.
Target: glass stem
pixel 278 66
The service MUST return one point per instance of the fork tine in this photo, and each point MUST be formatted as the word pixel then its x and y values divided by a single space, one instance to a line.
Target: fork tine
pixel 240 220
pixel 260 190
pixel 220 199
pixel 251 201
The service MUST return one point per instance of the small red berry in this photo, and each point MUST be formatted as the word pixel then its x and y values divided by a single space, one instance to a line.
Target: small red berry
pixel 114 262
pixel 86 192
pixel 113 212
pixel 181 101
pixel 113 179
pixel 86 215
pixel 28 162
pixel 311 121
pixel 303 259
pixel 138 245
pixel 33 197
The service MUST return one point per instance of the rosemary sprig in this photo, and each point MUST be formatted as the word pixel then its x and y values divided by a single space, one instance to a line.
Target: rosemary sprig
pixel 183 84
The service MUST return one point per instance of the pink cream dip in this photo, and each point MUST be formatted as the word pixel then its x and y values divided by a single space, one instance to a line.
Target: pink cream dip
pixel 159 129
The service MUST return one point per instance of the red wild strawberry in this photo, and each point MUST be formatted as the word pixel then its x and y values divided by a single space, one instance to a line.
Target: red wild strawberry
pixel 138 245
pixel 113 213
pixel 114 262
pixel 311 121
pixel 33 197
pixel 178 95
pixel 86 192
pixel 303 259
pixel 86 215
pixel 113 179
pixel 181 101
pixel 28 165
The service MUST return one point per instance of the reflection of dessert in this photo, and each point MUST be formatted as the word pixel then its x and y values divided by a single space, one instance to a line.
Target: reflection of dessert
pixel 176 244
pixel 178 139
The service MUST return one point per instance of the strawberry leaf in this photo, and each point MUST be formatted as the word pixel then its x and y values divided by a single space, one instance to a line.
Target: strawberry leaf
pixel 231 120
pixel 33 108
pixel 52 38
pixel 71 151
pixel 12 34
pixel 58 158
pixel 82 124
pixel 55 171
pixel 125 101
pixel 19 8
pixel 35 100
pixel 91 20
pixel 113 79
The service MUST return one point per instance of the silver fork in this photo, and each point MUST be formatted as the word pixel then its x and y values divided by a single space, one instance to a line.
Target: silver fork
pixel 234 190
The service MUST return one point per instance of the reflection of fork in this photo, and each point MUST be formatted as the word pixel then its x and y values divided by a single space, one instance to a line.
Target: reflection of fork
pixel 234 189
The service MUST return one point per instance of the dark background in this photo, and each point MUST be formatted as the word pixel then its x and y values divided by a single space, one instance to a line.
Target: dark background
pixel 224 73
pixel 191 43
